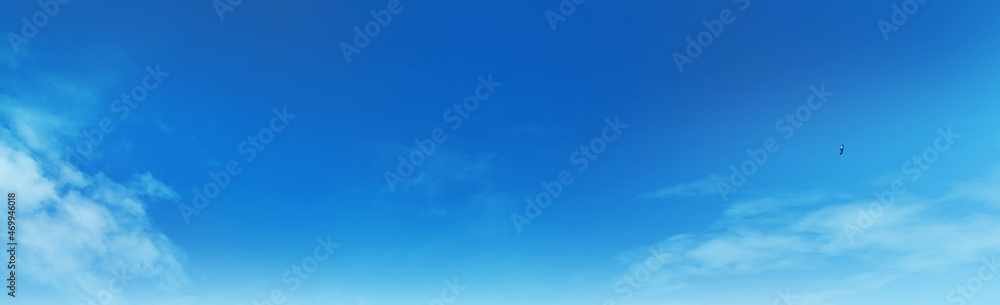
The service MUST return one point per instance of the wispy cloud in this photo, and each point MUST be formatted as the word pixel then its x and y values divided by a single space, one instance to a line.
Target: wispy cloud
pixel 448 168
pixel 84 228
pixel 805 232
pixel 983 190
pixel 702 187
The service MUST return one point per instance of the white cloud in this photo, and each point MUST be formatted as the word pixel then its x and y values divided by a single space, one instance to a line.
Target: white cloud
pixel 76 229
pixel 805 234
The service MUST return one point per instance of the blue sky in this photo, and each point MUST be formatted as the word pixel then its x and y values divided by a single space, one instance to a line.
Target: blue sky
pixel 644 222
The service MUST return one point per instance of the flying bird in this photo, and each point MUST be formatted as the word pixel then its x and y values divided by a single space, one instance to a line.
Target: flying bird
pixel 841 149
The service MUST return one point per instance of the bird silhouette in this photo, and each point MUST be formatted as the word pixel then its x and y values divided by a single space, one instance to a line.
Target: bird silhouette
pixel 841 149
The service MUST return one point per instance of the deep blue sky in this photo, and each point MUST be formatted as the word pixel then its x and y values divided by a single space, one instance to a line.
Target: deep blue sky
pixel 656 183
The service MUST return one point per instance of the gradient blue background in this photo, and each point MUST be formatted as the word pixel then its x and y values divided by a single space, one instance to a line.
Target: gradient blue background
pixel 323 175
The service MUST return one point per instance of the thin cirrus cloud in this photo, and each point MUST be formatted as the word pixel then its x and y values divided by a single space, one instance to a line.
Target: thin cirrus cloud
pixel 804 234
pixel 702 187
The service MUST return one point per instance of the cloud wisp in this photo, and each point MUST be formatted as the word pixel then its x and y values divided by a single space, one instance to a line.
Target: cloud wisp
pixel 90 235
pixel 803 232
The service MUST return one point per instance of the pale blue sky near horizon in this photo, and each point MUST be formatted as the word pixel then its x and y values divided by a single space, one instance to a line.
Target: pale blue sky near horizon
pixel 323 176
